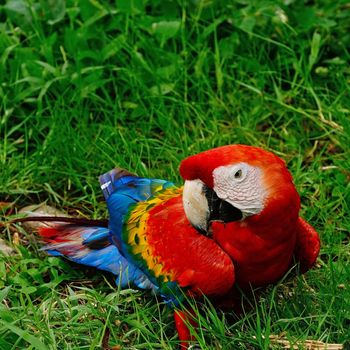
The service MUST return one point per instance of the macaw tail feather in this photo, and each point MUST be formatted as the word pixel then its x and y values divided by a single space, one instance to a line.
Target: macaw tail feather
pixel 92 246
pixel 184 320
pixel 82 244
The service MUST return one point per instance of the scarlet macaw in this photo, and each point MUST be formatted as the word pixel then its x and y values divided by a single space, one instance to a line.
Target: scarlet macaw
pixel 235 220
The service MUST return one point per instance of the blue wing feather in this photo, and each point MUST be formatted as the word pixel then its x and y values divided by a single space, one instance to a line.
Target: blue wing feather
pixel 123 190
pixel 132 186
pixel 100 247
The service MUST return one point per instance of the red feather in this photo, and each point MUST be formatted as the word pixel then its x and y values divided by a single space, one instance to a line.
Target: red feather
pixel 307 245
pixel 202 165
pixel 195 261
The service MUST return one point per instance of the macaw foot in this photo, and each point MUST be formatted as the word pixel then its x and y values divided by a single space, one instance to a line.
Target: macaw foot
pixel 184 321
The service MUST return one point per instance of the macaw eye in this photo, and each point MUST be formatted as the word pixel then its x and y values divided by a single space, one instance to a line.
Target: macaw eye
pixel 238 174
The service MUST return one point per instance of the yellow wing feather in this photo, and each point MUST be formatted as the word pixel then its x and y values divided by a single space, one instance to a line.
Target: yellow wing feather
pixel 136 228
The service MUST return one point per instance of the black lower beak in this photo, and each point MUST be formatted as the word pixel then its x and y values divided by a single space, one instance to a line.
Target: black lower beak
pixel 220 210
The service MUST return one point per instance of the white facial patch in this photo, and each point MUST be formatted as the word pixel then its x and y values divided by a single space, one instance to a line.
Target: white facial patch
pixel 195 203
pixel 241 185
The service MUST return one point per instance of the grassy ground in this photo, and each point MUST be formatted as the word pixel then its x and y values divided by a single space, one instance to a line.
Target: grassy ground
pixel 87 85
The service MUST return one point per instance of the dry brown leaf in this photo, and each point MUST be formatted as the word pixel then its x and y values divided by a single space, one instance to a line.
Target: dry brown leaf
pixel 41 209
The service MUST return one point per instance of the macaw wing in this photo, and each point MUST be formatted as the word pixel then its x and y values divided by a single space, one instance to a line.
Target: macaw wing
pixel 307 246
pixel 141 236
pixel 128 197
pixel 122 190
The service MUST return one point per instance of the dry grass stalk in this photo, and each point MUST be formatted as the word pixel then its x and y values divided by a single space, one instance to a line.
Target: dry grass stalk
pixel 284 343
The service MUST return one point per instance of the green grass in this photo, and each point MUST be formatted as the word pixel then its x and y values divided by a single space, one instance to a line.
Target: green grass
pixel 87 85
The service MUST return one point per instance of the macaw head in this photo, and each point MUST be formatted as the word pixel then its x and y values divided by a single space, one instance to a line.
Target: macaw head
pixel 237 183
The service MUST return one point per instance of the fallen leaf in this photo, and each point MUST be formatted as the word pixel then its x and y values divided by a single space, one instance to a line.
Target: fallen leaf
pixel 41 209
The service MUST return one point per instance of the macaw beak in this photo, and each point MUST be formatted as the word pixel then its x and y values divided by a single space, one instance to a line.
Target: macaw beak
pixel 220 210
pixel 202 207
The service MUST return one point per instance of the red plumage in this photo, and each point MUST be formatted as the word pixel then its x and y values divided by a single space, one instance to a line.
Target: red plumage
pixel 195 261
